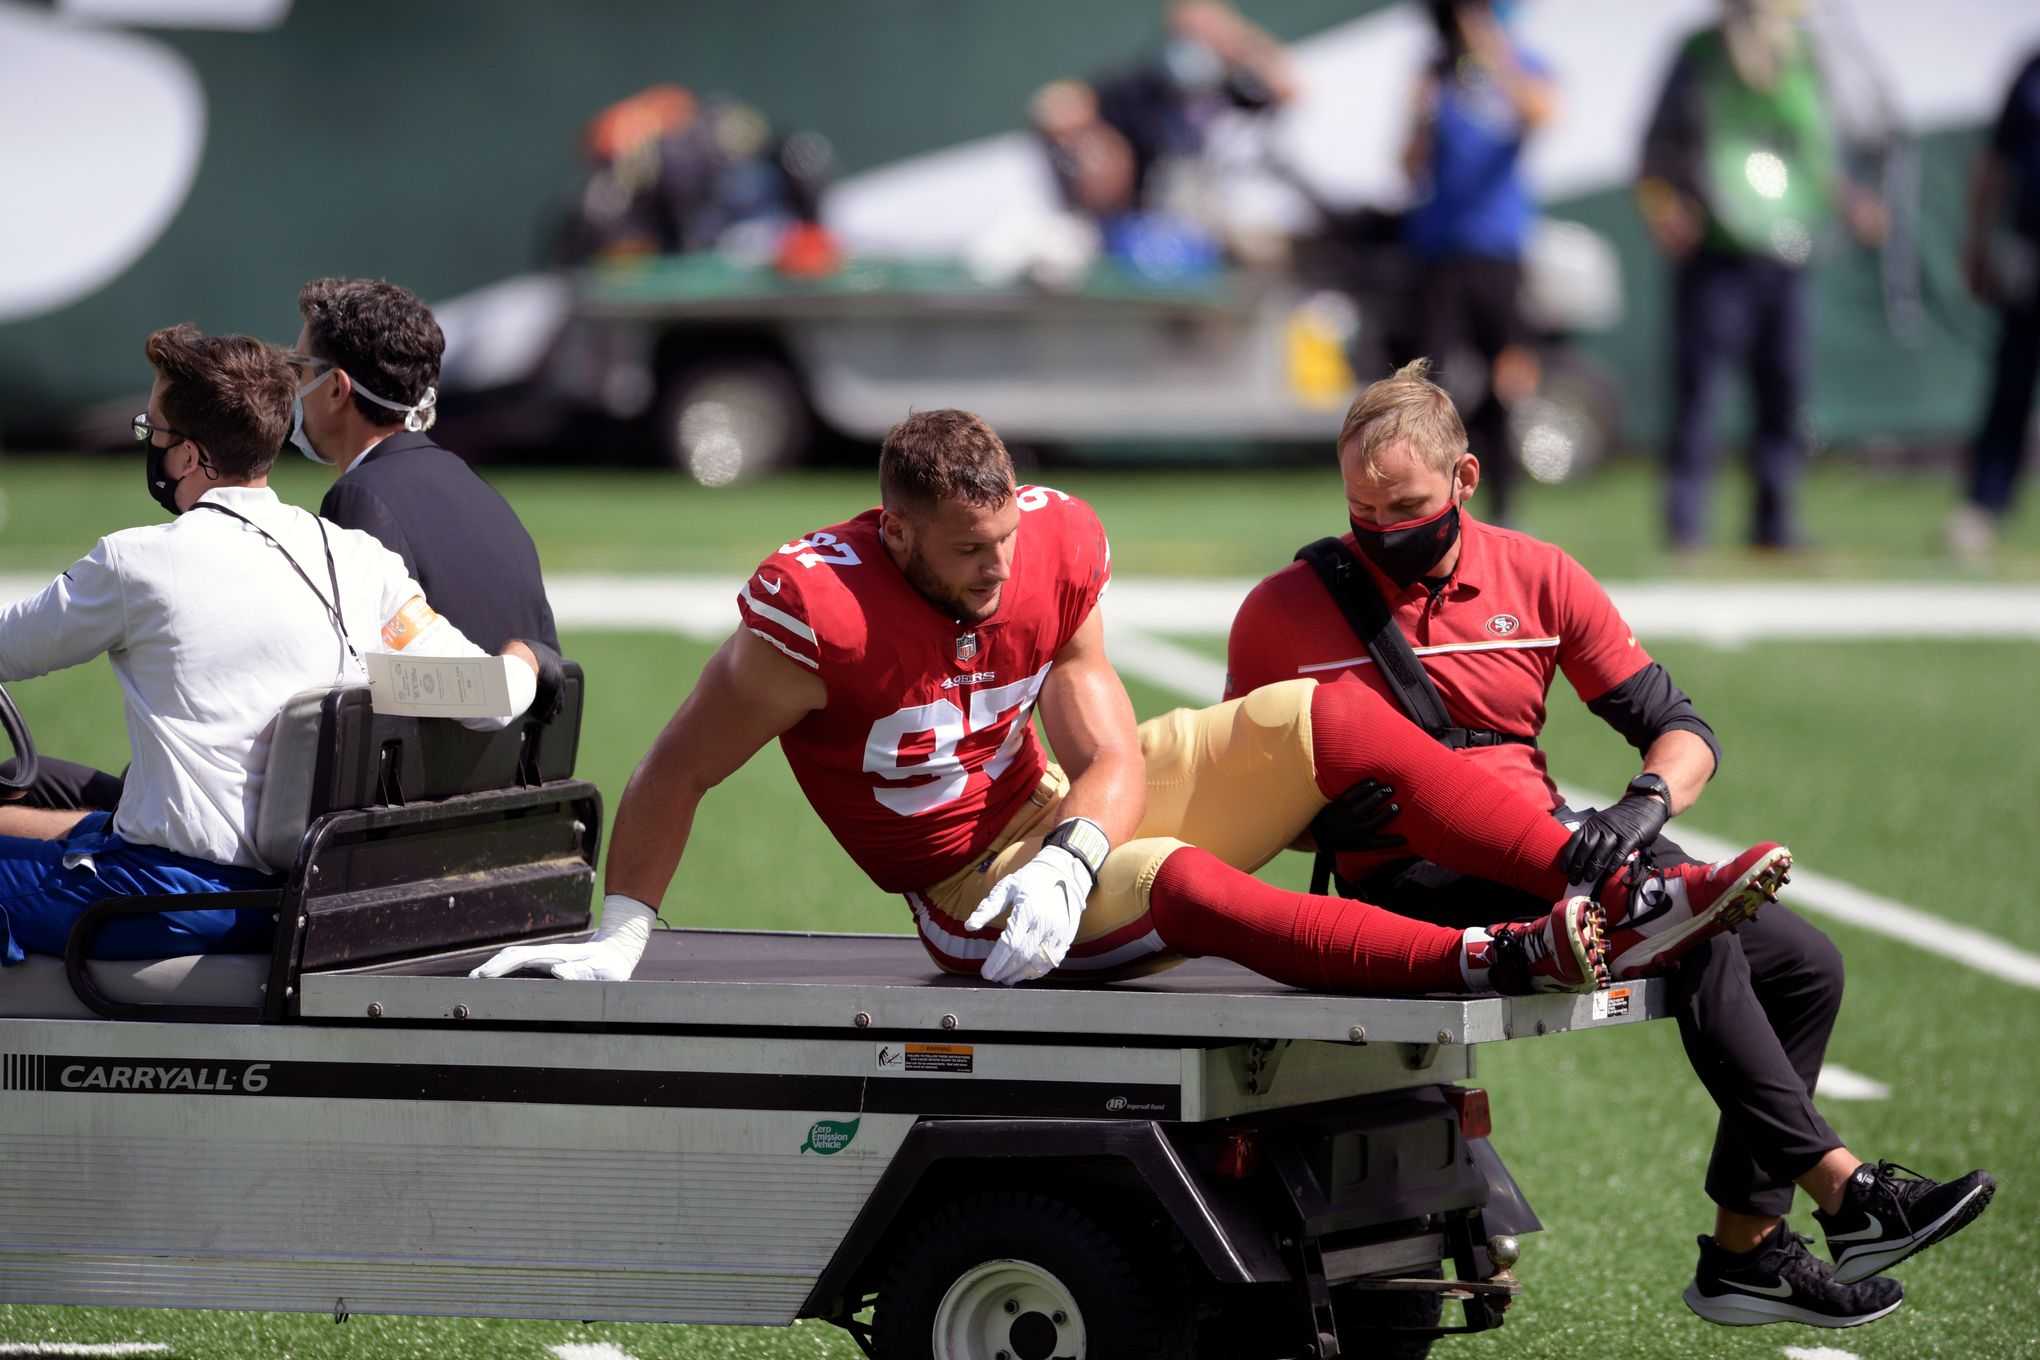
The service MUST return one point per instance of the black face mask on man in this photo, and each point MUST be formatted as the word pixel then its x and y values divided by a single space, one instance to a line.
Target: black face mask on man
pixel 1404 552
pixel 162 486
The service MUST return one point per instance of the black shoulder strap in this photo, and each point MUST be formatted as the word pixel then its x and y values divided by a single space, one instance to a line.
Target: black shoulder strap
pixel 1367 613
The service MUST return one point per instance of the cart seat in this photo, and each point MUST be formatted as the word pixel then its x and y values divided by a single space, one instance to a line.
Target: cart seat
pixel 41 988
pixel 332 761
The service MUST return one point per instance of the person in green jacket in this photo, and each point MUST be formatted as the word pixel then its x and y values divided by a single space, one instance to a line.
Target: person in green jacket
pixel 1740 176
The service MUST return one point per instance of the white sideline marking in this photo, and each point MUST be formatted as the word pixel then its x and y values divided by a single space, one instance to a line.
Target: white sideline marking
pixel 1819 1353
pixel 1841 1083
pixel 9 1349
pixel 1721 612
pixel 590 1350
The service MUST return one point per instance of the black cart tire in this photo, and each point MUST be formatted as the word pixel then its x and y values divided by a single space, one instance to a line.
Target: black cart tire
pixel 728 421
pixel 1365 1315
pixel 1024 1275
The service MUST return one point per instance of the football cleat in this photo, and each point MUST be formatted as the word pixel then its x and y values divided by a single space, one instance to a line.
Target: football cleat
pixel 1561 952
pixel 1781 1281
pixel 1656 914
pixel 1885 1218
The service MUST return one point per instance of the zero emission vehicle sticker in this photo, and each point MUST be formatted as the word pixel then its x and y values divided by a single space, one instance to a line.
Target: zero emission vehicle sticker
pixel 830 1136
pixel 915 1079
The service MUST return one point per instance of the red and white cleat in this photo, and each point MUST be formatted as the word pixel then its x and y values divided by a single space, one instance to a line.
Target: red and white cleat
pixel 1655 915
pixel 1562 952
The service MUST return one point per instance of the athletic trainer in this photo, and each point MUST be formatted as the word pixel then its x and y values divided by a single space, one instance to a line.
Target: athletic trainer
pixel 1492 617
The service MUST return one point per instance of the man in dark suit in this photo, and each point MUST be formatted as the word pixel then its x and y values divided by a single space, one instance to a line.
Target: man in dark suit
pixel 366 362
pixel 367 359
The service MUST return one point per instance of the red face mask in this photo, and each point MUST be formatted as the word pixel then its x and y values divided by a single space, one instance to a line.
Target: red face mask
pixel 1405 551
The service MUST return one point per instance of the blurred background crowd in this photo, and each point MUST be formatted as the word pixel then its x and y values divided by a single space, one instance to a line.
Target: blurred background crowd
pixel 740 239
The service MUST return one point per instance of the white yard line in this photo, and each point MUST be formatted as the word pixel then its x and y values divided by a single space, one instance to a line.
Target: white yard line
pixel 1729 613
pixel 590 1350
pixel 1819 1353
pixel 10 1349
pixel 1841 1083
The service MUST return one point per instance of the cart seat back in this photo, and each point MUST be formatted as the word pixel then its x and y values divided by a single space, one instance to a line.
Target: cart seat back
pixel 331 750
pixel 397 837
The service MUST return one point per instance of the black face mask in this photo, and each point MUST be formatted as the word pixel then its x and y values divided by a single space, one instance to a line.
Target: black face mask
pixel 1404 552
pixel 162 487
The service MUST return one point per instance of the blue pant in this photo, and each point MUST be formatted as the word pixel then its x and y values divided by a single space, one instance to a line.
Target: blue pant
pixel 41 897
pixel 1729 309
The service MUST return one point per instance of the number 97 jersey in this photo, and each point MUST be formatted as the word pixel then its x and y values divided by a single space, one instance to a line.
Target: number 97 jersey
pixel 925 749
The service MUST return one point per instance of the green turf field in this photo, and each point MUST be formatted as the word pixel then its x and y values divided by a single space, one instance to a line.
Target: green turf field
pixel 1909 770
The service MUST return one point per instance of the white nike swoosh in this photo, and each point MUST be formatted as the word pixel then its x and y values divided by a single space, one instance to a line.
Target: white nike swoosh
pixel 1780 1290
pixel 1875 1230
pixel 770 584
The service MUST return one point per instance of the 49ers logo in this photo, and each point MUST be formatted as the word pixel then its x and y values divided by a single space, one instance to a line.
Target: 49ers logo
pixel 1502 625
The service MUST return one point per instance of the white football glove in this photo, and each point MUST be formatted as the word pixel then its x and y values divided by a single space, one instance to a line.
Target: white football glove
pixel 609 955
pixel 1043 900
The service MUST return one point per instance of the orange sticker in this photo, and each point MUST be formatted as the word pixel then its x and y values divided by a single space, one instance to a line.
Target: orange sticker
pixel 408 624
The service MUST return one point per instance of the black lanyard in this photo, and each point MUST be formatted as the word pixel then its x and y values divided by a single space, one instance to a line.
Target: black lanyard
pixel 332 606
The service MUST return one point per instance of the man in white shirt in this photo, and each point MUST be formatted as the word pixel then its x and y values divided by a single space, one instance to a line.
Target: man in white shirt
pixel 211 622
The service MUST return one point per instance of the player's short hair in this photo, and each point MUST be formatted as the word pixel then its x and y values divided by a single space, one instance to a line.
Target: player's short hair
pixel 1406 406
pixel 229 394
pixel 946 455
pixel 378 332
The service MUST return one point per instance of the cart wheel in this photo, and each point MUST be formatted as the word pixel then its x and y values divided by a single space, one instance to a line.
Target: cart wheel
pixel 725 421
pixel 1018 1275
pixel 1365 1314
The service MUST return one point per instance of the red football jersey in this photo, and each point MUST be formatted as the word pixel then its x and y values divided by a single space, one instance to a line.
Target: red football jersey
pixel 1517 612
pixel 925 749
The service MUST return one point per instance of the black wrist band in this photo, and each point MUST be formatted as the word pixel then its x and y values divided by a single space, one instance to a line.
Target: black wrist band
pixel 1083 838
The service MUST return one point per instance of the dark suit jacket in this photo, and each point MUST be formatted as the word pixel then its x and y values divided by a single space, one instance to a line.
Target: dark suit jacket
pixel 460 538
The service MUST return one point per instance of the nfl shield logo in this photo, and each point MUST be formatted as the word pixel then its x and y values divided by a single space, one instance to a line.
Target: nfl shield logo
pixel 966 646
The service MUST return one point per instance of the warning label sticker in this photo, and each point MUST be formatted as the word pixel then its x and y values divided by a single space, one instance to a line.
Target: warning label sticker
pixel 949 1058
pixel 1612 1003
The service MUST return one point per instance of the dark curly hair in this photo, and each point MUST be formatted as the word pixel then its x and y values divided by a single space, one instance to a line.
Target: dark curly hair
pixel 229 394
pixel 379 333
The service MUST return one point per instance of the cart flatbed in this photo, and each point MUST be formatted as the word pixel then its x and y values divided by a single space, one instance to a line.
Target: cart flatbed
pixel 779 980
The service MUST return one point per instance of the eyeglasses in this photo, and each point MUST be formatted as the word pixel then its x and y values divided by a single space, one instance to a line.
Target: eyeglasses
pixel 143 429
pixel 301 362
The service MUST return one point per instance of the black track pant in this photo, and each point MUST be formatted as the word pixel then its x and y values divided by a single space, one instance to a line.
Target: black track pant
pixel 1755 1009
pixel 64 786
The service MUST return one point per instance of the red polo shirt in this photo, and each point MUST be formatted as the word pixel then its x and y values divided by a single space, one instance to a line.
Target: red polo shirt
pixel 1515 610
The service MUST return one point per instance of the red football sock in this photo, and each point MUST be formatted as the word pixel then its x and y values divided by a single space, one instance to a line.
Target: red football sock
pixel 1454 813
pixel 1201 905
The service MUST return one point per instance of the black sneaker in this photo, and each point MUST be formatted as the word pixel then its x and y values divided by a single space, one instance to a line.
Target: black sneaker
pixel 1781 1281
pixel 1885 1218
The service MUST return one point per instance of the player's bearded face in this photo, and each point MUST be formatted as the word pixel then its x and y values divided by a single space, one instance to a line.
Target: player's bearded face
pixel 959 556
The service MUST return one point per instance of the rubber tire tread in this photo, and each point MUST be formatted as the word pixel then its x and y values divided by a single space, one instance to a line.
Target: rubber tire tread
pixel 1361 1312
pixel 1124 1313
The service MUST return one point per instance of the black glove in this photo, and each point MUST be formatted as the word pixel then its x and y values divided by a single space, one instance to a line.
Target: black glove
pixel 1611 836
pixel 1356 818
pixel 552 682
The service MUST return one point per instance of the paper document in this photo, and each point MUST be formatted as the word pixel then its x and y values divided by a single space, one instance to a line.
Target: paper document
pixel 440 686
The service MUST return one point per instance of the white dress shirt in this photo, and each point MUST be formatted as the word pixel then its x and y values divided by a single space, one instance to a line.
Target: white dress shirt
pixel 210 631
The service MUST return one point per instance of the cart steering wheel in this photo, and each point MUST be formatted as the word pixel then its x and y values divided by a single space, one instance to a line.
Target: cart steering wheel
pixel 25 762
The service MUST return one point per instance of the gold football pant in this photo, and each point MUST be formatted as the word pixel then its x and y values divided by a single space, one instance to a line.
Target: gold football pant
pixel 1236 779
